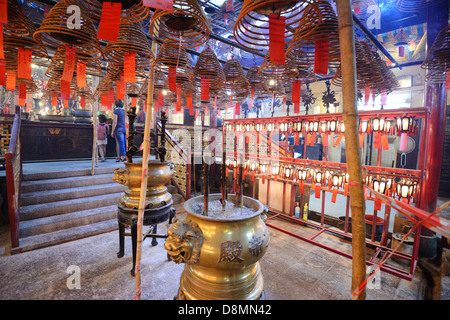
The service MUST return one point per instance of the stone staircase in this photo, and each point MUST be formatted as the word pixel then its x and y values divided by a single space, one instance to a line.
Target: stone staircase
pixel 63 206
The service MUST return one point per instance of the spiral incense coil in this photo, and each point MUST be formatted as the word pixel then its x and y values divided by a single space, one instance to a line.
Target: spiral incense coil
pixel 56 66
pixel 131 38
pixel 132 10
pixel 251 29
pixel 172 55
pixel 114 68
pixel 186 20
pixel 257 82
pixel 209 66
pixel 236 79
pixel 437 60
pixel 18 33
pixel 30 84
pixel 327 27
pixel 54 30
pixel 415 5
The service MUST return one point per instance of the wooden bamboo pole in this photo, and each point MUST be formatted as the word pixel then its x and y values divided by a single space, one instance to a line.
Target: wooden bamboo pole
pixel 94 138
pixel 148 122
pixel 350 117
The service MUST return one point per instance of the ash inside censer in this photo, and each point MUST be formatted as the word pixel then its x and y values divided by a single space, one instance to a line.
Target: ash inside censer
pixel 215 210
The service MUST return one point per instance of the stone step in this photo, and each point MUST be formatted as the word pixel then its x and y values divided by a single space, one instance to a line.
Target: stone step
pixel 57 174
pixel 60 207
pixel 40 197
pixel 65 221
pixel 65 235
pixel 67 182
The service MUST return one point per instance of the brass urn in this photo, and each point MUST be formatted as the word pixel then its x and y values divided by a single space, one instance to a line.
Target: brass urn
pixel 221 254
pixel 159 174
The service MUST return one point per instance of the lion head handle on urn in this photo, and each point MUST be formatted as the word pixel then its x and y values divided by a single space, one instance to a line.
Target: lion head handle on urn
pixel 121 175
pixel 184 241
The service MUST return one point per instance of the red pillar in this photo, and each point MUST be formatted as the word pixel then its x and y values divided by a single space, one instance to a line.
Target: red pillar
pixel 435 102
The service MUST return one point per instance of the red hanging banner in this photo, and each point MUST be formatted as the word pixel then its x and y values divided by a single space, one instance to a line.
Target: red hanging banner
pixel 166 5
pixel 24 63
pixel 108 28
pixel 325 140
pixel 189 100
pixel 237 109
pixel 215 102
pixel 321 55
pixel 133 101
pixel 334 196
pixel 81 74
pixel 65 90
pixel 384 142
pixel 129 67
pixel 338 140
pixel 69 63
pixel 178 102
pixel 120 85
pixel 83 102
pixel 229 5
pixel 277 26
pixel 161 99
pixel 104 101
pixel 11 80
pixel 204 87
pixel 3 11
pixel 2 73
pixel 172 78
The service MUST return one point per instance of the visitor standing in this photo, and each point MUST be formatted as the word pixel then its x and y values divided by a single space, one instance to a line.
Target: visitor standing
pixel 102 136
pixel 119 130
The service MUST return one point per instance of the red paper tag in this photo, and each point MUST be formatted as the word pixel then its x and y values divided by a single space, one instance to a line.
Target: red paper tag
pixel 22 94
pixel 277 26
pixel 384 143
pixel 3 11
pixel 24 63
pixel 215 102
pixel 301 186
pixel 2 73
pixel 204 87
pixel 376 140
pixel 334 196
pixel 104 101
pixel 263 178
pixel 65 90
pixel 318 190
pixel 338 140
pixel 2 54
pixel 81 74
pixel 296 138
pixel 108 28
pixel 345 190
pixel 83 101
pixel 322 49
pixel 172 78
pixel 361 140
pixel 120 86
pixel 133 101
pixel 54 99
pixel 325 140
pixel 129 68
pixel 296 91
pixel 166 5
pixel 237 109
pixel 66 104
pixel 377 205
pixel 178 102
pixel 69 64
pixel 11 80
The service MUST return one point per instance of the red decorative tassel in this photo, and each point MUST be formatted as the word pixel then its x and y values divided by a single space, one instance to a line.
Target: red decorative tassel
pixel 325 140
pixel 24 63
pixel 69 63
pixel 129 68
pixel 334 196
pixel 22 94
pixel 204 87
pixel 318 189
pixel 321 57
pixel 277 26
pixel 108 28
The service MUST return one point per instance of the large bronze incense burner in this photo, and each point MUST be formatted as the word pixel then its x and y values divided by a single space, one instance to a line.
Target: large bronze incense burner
pixel 221 252
pixel 158 201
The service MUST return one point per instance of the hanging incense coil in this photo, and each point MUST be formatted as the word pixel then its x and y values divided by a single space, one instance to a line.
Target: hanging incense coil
pixel 132 10
pixel 415 5
pixel 131 38
pixel 209 66
pixel 236 80
pixel 187 20
pixel 256 81
pixel 114 70
pixel 30 85
pixel 251 29
pixel 172 55
pixel 437 60
pixel 18 33
pixel 54 30
pixel 56 66
pixel 327 29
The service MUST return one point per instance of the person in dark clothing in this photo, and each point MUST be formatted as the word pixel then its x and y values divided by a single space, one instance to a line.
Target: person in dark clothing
pixel 119 130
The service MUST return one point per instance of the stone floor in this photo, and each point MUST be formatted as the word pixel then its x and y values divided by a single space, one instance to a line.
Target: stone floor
pixel 292 269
